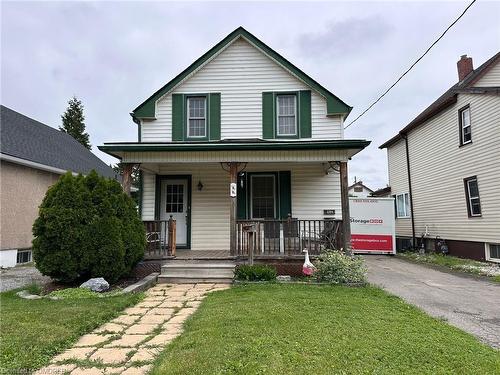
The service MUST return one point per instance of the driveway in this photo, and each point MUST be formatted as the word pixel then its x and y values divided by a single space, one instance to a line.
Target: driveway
pixel 17 277
pixel 467 303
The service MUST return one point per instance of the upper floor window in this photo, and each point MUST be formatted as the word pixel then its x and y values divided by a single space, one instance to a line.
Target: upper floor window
pixel 196 117
pixel 465 126
pixel 287 115
pixel 472 196
pixel 403 205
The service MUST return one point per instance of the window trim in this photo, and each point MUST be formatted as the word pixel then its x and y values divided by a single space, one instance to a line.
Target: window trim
pixel 275 191
pixel 488 257
pixel 296 113
pixel 207 104
pixel 406 206
pixel 461 127
pixel 24 251
pixel 468 197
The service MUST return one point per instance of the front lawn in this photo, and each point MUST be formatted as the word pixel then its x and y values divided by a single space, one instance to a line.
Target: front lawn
pixel 491 270
pixel 309 329
pixel 33 331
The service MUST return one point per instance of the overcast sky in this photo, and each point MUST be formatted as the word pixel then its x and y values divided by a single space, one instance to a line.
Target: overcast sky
pixel 113 55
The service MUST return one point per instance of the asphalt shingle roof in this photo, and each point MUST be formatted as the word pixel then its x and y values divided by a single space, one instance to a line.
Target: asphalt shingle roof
pixel 28 139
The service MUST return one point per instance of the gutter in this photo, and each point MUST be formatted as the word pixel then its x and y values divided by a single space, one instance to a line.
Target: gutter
pixel 32 164
pixel 405 137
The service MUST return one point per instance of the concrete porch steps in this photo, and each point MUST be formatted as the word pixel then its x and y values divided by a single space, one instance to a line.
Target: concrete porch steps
pixel 197 271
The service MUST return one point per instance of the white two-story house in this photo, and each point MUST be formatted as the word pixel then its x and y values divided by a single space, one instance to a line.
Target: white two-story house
pixel 444 167
pixel 241 137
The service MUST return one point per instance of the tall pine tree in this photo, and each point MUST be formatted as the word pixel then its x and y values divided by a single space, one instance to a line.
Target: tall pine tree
pixel 73 122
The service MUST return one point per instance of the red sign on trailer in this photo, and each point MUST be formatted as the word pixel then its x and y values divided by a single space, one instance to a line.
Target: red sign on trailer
pixel 372 225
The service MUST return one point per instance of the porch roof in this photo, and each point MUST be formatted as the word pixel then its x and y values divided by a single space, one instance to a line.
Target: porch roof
pixel 350 147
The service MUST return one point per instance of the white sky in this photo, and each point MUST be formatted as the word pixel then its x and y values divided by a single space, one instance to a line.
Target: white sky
pixel 113 55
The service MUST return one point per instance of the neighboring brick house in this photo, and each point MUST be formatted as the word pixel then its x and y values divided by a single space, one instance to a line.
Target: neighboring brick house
pixel 32 157
pixel 444 167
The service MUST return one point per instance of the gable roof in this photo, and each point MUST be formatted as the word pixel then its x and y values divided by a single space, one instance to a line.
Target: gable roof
pixel 335 106
pixel 24 138
pixel 449 98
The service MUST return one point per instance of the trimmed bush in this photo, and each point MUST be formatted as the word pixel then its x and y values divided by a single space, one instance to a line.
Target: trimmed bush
pixel 87 227
pixel 255 273
pixel 338 268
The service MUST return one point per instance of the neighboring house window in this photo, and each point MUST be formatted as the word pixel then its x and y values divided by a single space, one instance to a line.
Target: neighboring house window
pixel 494 252
pixel 197 117
pixel 465 126
pixel 472 196
pixel 358 189
pixel 263 196
pixel 23 256
pixel 287 115
pixel 403 205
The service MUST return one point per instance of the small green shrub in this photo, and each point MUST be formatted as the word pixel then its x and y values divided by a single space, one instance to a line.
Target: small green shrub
pixel 256 272
pixel 338 268
pixel 33 288
pixel 87 227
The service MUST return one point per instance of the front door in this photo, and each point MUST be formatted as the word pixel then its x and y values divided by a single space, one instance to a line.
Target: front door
pixel 174 201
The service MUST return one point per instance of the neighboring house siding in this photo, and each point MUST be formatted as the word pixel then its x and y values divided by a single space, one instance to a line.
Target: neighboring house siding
pixel 438 166
pixel 241 73
pixel 398 180
pixel 491 78
pixel 22 191
pixel 312 191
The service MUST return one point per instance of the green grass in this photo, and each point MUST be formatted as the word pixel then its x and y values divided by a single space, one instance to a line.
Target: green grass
pixel 33 331
pixel 311 329
pixel 451 262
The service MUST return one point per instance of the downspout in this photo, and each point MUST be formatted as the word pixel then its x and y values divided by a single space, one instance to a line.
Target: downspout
pixel 405 137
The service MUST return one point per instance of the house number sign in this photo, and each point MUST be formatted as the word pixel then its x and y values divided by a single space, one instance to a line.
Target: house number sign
pixel 232 189
pixel 328 212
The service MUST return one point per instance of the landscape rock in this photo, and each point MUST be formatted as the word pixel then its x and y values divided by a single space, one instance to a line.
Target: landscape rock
pixel 27 295
pixel 284 278
pixel 97 284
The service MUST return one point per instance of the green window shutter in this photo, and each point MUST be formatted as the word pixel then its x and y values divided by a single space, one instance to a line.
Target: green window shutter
pixel 285 194
pixel 241 197
pixel 177 117
pixel 267 115
pixel 214 116
pixel 140 192
pixel 305 113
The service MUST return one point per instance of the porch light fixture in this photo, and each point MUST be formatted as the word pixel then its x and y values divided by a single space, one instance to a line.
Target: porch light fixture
pixel 200 186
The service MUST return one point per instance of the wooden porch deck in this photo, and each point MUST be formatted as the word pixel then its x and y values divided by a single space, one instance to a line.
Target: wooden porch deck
pixel 203 254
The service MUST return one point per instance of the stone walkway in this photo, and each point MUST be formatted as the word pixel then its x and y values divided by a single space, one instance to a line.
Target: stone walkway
pixel 129 343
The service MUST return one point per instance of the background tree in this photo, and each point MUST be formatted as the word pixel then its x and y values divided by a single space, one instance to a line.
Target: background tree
pixel 73 122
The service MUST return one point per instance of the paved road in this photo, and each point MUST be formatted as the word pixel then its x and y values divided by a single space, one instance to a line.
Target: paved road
pixel 470 304
pixel 17 277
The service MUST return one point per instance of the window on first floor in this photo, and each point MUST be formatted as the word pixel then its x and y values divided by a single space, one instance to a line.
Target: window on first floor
pixel 197 117
pixel 465 125
pixel 23 256
pixel 494 251
pixel 263 196
pixel 472 196
pixel 403 205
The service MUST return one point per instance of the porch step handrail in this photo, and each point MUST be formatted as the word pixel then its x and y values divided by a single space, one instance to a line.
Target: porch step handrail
pixel 160 238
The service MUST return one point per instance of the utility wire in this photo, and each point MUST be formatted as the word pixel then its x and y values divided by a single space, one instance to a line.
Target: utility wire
pixel 412 65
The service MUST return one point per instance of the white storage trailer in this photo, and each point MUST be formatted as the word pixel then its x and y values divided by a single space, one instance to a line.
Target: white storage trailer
pixel 372 225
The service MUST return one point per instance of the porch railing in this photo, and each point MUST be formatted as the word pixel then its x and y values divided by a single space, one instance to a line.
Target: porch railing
pixel 287 237
pixel 160 238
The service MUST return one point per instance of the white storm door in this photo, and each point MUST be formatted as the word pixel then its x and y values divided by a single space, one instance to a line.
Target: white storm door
pixel 174 201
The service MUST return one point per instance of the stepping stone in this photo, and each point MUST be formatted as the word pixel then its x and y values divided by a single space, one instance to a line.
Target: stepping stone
pixel 144 355
pixel 179 319
pixel 143 370
pixel 170 304
pixel 110 355
pixel 160 311
pixel 55 369
pixel 125 319
pixel 110 327
pixel 74 353
pixel 172 329
pixel 187 311
pixel 194 304
pixel 92 340
pixel 141 329
pixel 129 341
pixel 160 340
pixel 148 304
pixel 154 319
pixel 113 370
pixel 135 311
pixel 87 371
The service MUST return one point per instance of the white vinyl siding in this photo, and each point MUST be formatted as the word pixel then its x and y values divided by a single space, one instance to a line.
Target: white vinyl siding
pixel 312 192
pixel 398 180
pixel 491 78
pixel 241 73
pixel 438 168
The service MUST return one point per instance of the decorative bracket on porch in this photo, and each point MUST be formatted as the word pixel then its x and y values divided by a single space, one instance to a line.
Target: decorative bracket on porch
pixel 227 166
pixel 331 166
